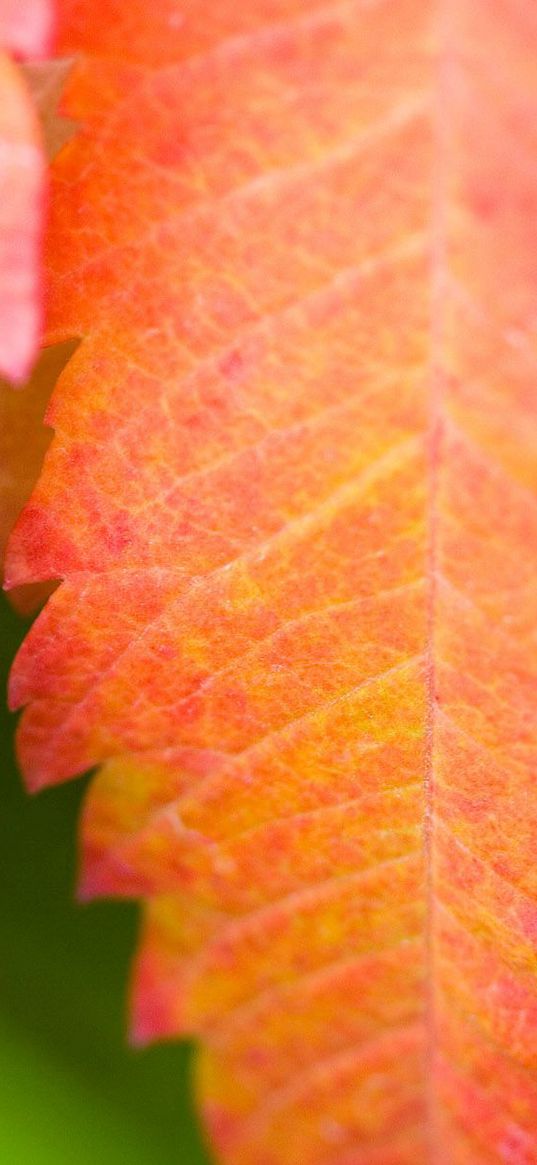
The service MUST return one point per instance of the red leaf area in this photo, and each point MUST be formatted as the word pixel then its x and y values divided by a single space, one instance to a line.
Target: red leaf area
pixel 25 30
pixel 292 500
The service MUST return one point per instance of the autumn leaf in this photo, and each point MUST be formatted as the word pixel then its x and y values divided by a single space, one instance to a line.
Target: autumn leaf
pixel 291 500
pixel 25 29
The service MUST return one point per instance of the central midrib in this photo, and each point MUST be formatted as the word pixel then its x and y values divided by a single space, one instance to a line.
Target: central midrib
pixel 435 435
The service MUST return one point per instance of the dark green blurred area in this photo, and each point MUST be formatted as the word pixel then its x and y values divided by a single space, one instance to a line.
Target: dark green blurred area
pixel 72 1092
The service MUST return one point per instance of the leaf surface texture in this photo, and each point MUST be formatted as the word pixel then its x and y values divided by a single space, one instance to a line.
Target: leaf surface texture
pixel 291 497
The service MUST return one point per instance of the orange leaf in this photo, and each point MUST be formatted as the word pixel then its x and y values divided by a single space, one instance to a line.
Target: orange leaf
pixel 24 29
pixel 292 499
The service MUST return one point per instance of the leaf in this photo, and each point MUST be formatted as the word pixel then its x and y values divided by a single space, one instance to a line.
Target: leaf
pixel 291 497
pixel 25 29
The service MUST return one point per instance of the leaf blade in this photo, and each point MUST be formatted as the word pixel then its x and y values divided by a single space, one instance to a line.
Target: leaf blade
pixel 241 643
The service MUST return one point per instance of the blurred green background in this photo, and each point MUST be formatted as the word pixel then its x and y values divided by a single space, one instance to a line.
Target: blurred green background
pixel 72 1092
